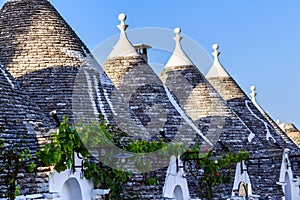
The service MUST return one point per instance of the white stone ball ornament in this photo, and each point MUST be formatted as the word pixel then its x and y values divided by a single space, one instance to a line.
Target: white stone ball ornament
pixel 215 46
pixel 177 30
pixel 122 17
pixel 252 88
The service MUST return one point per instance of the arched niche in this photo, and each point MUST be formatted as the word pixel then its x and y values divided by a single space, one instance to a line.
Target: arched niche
pixel 287 187
pixel 178 193
pixel 242 189
pixel 71 190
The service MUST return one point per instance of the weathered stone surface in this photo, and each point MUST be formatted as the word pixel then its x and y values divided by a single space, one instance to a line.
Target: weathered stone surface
pixel 205 106
pixel 46 57
pixel 55 68
pixel 34 37
pixel 147 98
pixel 267 142
pixel 22 123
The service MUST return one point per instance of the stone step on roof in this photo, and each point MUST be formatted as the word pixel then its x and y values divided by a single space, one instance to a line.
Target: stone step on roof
pixel 23 124
pixel 146 95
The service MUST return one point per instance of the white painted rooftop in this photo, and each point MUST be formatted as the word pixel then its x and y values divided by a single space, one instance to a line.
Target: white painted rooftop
pixel 178 58
pixel 216 70
pixel 123 47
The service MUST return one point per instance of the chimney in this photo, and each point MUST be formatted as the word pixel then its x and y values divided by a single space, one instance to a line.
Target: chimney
pixel 141 49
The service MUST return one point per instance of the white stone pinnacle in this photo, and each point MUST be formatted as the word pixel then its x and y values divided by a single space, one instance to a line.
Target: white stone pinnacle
pixel 178 58
pixel 178 37
pixel 253 94
pixel 253 99
pixel 123 47
pixel 122 26
pixel 216 70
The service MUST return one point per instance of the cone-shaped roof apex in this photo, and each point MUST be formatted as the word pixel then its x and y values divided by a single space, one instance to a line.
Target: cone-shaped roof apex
pixel 123 46
pixel 179 57
pixel 216 70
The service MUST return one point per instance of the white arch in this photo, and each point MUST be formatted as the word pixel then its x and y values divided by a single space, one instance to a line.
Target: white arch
pixel 71 190
pixel 241 176
pixel 178 193
pixel 176 186
pixel 63 182
pixel 287 187
pixel 290 185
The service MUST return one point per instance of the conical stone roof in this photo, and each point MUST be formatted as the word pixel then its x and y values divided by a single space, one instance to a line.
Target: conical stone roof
pixel 201 102
pixel 239 102
pixel 145 94
pixel 263 176
pixel 54 67
pixel 42 52
pixel 152 103
pixel 34 37
pixel 24 125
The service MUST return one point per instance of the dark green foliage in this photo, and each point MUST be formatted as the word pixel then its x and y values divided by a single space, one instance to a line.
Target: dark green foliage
pixel 213 170
pixel 69 140
pixel 60 151
pixel 15 159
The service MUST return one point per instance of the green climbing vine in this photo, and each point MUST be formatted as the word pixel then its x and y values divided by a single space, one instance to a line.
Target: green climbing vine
pixel 69 140
pixel 14 159
pixel 215 170
pixel 59 152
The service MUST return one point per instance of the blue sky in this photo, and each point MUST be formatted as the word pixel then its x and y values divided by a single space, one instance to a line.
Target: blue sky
pixel 258 39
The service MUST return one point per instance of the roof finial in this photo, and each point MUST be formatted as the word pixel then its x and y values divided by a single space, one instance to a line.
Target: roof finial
pixel 123 46
pixel 216 53
pixel 253 93
pixel 178 37
pixel 253 99
pixel 217 70
pixel 178 58
pixel 122 26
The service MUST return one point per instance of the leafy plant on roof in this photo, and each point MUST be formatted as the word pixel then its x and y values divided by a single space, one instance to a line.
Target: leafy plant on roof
pixel 213 170
pixel 15 159
pixel 69 140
